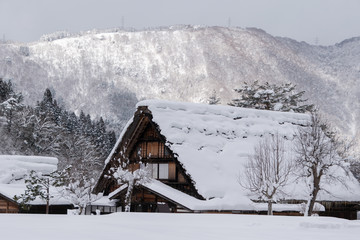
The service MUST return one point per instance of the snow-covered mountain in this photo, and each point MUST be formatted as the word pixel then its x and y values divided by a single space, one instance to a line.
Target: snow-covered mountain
pixel 105 72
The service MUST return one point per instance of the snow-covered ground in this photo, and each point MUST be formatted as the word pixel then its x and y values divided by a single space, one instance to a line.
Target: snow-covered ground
pixel 175 226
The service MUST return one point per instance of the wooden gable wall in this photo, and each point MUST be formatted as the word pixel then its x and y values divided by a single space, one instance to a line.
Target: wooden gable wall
pixel 7 205
pixel 150 148
pixel 143 143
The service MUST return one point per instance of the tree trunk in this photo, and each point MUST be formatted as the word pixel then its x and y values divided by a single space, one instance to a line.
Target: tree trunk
pixel 270 210
pixel 306 211
pixel 311 201
pixel 128 196
pixel 47 199
pixel 47 206
pixel 80 210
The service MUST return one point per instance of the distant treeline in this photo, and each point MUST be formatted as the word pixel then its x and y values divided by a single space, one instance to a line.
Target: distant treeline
pixel 50 130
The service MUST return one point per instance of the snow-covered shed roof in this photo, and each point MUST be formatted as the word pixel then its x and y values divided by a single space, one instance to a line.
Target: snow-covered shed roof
pixel 16 167
pixel 10 190
pixel 213 142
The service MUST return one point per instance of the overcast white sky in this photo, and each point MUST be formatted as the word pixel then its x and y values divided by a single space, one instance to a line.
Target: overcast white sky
pixel 329 21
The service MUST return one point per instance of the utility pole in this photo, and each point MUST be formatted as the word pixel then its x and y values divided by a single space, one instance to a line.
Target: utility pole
pixel 229 22
pixel 122 23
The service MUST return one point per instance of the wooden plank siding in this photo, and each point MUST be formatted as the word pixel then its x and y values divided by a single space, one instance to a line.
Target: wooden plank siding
pixel 146 200
pixel 340 209
pixel 7 205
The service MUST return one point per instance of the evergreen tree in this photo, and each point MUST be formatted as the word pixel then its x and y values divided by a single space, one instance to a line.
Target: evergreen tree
pixel 38 185
pixel 47 134
pixel 271 97
pixel 71 122
pixel 10 107
pixel 23 131
pixel 6 90
pixel 10 102
pixel 213 99
pixel 48 129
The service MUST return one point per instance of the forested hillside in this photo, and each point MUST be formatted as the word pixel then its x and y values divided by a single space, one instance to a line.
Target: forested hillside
pixel 104 73
pixel 48 129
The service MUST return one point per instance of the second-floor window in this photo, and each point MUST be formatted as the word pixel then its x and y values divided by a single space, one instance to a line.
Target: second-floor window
pixel 163 170
pixel 152 150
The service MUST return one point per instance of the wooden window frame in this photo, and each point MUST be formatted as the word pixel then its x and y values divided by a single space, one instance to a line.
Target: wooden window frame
pixel 145 146
pixel 171 171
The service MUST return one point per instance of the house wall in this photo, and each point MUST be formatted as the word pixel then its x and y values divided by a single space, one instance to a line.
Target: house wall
pixel 145 201
pixel 53 209
pixel 347 210
pixel 7 206
pixel 340 209
pixel 148 147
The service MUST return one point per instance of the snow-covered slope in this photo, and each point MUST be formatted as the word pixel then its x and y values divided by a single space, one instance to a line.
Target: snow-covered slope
pixel 97 71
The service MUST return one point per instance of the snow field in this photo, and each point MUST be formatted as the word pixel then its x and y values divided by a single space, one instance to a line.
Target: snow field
pixel 175 226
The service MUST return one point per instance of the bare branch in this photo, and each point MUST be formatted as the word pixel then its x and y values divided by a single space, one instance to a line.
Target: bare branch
pixel 318 151
pixel 267 170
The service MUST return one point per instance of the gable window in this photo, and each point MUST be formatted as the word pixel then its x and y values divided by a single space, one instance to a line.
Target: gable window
pixel 163 171
pixel 152 149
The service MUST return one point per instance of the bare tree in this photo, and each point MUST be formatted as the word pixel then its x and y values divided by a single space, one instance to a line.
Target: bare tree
pixel 77 185
pixel 318 151
pixel 267 170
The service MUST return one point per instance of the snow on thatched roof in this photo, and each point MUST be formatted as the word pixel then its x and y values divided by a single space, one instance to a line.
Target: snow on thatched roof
pixel 213 142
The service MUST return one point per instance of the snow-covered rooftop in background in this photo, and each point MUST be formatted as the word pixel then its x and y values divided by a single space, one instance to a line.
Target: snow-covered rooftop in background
pixel 213 142
pixel 231 202
pixel 14 167
pixel 10 190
